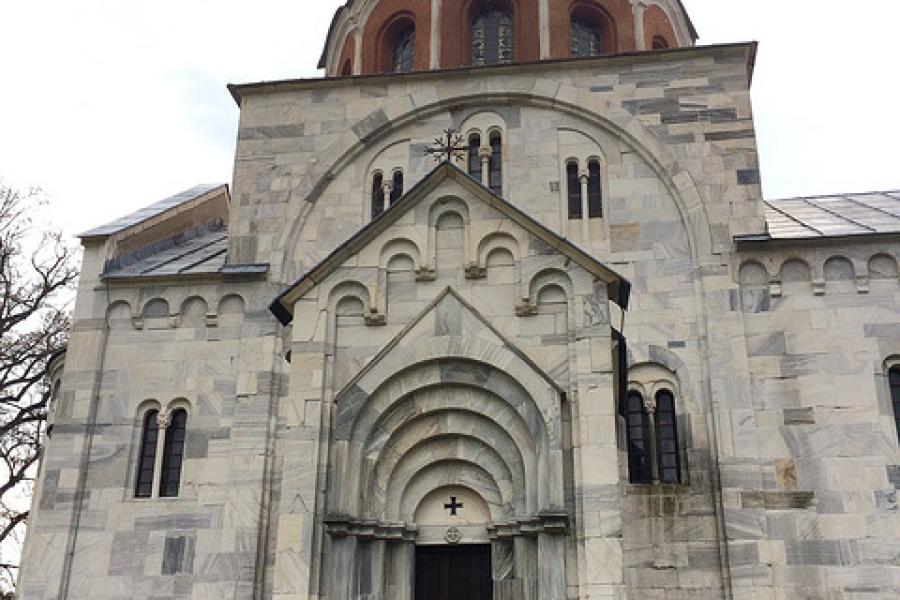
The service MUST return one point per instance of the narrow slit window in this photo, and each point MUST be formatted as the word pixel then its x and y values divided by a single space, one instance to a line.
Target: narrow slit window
pixel 496 171
pixel 377 194
pixel 397 188
pixel 638 432
pixel 474 157
pixel 595 190
pixel 143 487
pixel 894 377
pixel 667 438
pixel 573 190
pixel 173 455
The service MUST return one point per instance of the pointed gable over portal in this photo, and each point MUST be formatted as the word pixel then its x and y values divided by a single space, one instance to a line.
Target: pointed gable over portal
pixel 442 348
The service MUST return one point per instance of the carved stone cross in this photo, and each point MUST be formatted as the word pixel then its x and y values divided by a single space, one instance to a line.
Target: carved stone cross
pixel 453 506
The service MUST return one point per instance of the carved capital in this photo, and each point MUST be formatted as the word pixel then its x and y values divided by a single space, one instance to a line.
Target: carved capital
pixel 473 271
pixel 485 152
pixel 526 308
pixel 426 274
pixel 163 419
pixel 375 319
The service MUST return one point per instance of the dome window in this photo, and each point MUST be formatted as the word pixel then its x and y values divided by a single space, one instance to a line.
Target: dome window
pixel 586 38
pixel 402 53
pixel 492 36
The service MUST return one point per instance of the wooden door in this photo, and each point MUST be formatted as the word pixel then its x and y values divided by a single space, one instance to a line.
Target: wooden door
pixel 453 573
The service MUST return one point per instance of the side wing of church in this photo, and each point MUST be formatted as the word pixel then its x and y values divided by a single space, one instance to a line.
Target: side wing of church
pixel 493 311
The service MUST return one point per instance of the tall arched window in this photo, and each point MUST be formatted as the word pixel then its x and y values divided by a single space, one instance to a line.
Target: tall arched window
pixel 143 486
pixel 496 171
pixel 492 36
pixel 595 189
pixel 173 454
pixel 402 51
pixel 347 71
pixel 894 379
pixel 573 189
pixel 397 188
pixel 668 462
pixel 377 194
pixel 638 433
pixel 474 156
pixel 586 37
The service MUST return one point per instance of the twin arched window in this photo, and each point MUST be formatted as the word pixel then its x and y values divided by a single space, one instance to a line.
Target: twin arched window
pixel 648 438
pixel 382 191
pixel 166 460
pixel 575 190
pixel 492 36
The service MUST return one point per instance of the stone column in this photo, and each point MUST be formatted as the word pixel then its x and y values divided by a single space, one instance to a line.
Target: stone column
pixel 544 17
pixel 357 55
pixel 551 552
pixel 435 47
pixel 485 153
pixel 638 7
pixel 598 514
pixel 400 570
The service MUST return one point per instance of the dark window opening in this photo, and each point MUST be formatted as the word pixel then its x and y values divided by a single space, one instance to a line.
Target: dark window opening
pixel 894 377
pixel 397 188
pixel 492 42
pixel 595 190
pixel 474 157
pixel 402 51
pixel 660 43
pixel 586 38
pixel 638 433
pixel 573 183
pixel 348 69
pixel 173 455
pixel 377 194
pixel 667 438
pixel 495 181
pixel 143 487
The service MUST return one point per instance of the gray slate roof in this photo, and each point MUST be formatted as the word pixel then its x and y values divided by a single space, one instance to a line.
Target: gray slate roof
pixel 202 254
pixel 151 211
pixel 833 216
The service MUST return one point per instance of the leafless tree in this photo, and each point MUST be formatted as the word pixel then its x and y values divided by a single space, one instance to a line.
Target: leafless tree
pixel 37 276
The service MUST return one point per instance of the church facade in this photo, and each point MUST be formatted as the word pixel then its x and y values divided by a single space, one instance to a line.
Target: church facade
pixel 494 310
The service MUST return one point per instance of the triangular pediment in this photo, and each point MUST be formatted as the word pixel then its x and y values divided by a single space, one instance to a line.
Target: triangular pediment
pixel 449 316
pixel 618 288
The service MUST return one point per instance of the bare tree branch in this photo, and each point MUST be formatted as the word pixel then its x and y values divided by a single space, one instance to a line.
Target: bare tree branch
pixel 37 278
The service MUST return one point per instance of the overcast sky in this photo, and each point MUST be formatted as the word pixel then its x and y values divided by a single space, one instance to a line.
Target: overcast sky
pixel 110 105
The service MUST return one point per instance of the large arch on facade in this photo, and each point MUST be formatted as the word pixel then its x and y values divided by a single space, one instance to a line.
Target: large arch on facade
pixel 618 123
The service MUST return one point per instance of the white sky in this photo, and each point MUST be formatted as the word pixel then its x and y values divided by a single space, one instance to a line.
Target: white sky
pixel 110 105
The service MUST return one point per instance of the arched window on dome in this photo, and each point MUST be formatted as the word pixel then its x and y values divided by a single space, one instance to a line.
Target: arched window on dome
pixel 586 37
pixel 660 43
pixel 474 158
pixel 347 70
pixel 637 423
pixel 402 51
pixel 492 35
pixel 495 181
pixel 377 194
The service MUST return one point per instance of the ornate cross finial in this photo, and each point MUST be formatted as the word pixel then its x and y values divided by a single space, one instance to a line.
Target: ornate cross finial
pixel 450 147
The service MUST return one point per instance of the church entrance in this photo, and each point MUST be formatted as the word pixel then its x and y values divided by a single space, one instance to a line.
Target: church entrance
pixel 453 573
